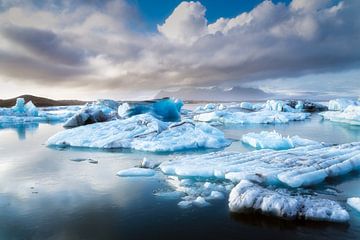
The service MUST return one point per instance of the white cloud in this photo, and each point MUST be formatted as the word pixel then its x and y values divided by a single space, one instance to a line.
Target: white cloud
pixel 186 24
pixel 96 47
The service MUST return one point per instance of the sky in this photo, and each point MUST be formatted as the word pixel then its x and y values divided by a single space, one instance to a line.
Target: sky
pixel 132 49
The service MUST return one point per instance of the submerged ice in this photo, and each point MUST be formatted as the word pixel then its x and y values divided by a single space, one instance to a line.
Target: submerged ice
pixel 142 132
pixel 274 140
pixel 248 196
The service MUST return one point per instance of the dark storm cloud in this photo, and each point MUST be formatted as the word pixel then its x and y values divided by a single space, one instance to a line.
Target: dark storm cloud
pixel 45 44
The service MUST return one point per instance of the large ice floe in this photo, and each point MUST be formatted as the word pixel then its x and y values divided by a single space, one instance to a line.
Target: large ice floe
pixel 248 196
pixel 297 167
pixel 27 113
pixel 142 132
pixel 263 116
pixel 350 115
pixel 341 104
pixel 274 140
pixel 165 109
pixel 100 111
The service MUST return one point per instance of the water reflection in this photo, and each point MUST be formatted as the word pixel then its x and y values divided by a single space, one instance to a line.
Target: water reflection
pixel 45 194
pixel 21 128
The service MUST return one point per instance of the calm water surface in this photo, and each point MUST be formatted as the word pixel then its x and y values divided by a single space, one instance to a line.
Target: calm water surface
pixel 46 195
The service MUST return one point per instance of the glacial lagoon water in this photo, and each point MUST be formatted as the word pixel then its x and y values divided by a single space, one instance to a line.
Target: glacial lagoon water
pixel 48 193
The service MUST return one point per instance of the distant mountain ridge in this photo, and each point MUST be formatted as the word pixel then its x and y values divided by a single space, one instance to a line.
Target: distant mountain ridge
pixel 216 94
pixel 40 101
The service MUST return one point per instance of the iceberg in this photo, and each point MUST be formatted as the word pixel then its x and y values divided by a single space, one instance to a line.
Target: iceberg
pixel 247 196
pixel 341 103
pixel 166 109
pixel 136 172
pixel 28 113
pixel 260 117
pixel 274 140
pixel 297 167
pixel 351 115
pixel 354 202
pixel 279 106
pixel 142 132
pixel 100 111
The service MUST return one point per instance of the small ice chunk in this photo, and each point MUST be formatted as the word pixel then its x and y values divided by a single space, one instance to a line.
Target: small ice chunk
pixel 274 140
pixel 136 172
pixel 216 195
pixel 248 196
pixel 200 202
pixel 354 202
pixel 169 195
pixel 147 163
pixel 185 204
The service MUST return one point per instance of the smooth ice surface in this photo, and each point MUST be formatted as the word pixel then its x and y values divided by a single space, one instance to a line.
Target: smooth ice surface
pixel 100 111
pixel 351 115
pixel 263 116
pixel 274 140
pixel 136 172
pixel 249 196
pixel 142 132
pixel 354 202
pixel 341 103
pixel 301 166
pixel 164 109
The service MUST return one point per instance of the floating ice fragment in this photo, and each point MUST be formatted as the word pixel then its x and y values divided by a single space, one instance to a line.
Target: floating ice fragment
pixel 341 103
pixel 136 172
pixel 354 202
pixel 248 196
pixel 351 115
pixel 200 202
pixel 147 163
pixel 274 140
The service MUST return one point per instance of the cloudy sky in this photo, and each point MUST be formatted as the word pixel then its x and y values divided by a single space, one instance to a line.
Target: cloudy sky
pixel 131 49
